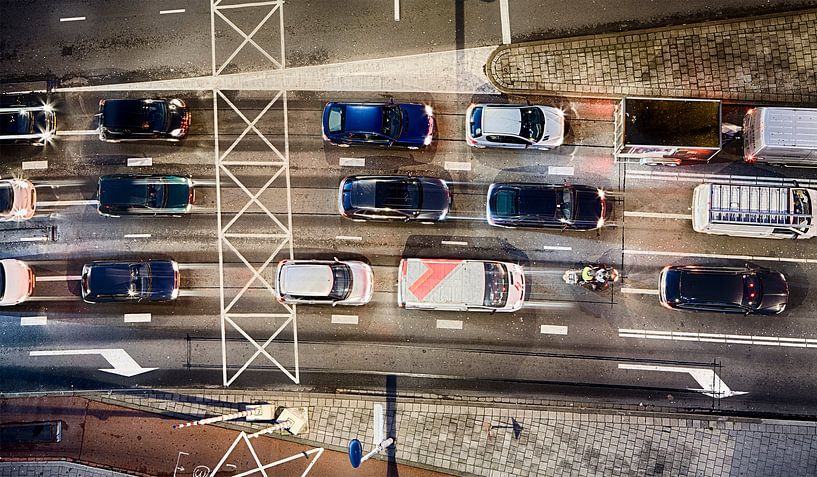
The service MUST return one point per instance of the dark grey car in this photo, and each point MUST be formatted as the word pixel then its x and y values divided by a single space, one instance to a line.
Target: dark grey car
pixel 400 198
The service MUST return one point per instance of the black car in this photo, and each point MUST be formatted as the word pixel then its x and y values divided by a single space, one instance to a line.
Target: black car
pixel 149 280
pixel 723 289
pixel 575 207
pixel 394 198
pixel 129 194
pixel 133 119
pixel 34 125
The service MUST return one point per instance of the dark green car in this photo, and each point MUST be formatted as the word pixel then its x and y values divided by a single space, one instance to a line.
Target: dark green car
pixel 130 194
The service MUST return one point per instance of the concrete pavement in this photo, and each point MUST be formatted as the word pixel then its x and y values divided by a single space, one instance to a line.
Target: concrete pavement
pixel 761 59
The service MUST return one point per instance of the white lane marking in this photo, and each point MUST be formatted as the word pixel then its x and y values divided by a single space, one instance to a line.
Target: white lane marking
pixel 715 255
pixel 72 19
pixel 396 17
pixel 29 165
pixel 549 304
pixel 657 215
pixel 140 161
pixel 353 161
pixel 557 247
pixel 699 177
pixel 504 17
pixel 717 338
pixel 642 291
pixel 449 324
pixel 137 317
pixel 560 170
pixel 553 330
pixel 33 239
pixel 59 278
pixel 78 132
pixel 33 320
pixel 348 237
pixel 168 12
pixel 344 319
pixel 712 385
pixel 54 203
pixel 121 361
pixel 453 242
pixel 457 166
pixel 137 235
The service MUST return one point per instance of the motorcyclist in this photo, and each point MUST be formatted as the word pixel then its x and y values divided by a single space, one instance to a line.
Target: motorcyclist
pixel 588 274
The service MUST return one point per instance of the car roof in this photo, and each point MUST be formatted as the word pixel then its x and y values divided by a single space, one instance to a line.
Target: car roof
pixel 364 117
pixel 501 120
pixel 126 113
pixel 306 279
pixel 711 286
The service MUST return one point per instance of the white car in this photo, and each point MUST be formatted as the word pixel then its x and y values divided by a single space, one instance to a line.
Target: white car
pixel 16 282
pixel 17 200
pixel 514 126
pixel 324 282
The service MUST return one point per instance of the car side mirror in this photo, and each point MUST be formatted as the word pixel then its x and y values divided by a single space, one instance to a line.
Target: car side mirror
pixel 493 311
pixel 334 303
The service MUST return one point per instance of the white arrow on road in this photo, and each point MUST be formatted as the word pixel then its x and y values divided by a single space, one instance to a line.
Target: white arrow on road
pixel 711 383
pixel 121 361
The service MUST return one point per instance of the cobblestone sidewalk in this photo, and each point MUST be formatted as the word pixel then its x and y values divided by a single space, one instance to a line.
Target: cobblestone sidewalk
pixel 53 469
pixel 453 436
pixel 769 58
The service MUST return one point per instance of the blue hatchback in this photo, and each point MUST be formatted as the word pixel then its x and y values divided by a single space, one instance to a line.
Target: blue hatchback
pixel 378 124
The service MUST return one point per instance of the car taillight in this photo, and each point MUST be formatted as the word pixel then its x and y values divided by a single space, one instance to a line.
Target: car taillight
pixel 471 140
pixel 31 281
pixel 192 196
pixel 176 280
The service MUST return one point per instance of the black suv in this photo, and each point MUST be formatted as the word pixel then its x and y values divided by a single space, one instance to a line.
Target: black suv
pixel 401 198
pixel 148 280
pixel 723 289
pixel 134 119
pixel 576 207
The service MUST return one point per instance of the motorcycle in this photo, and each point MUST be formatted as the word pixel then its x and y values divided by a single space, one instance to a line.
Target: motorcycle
pixel 601 277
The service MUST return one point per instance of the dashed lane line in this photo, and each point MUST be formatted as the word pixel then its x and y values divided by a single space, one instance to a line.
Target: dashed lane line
pixel 557 247
pixel 353 161
pixel 59 278
pixel 33 320
pixel 56 203
pixel 72 19
pixel 560 170
pixel 449 324
pixel 137 235
pixel 641 291
pixel 78 132
pixel 657 215
pixel 457 166
pixel 454 242
pixel 137 317
pixel 34 239
pixel 140 161
pixel 553 330
pixel 169 12
pixel 718 338
pixel 32 165
pixel 344 319
pixel 723 256
pixel 352 238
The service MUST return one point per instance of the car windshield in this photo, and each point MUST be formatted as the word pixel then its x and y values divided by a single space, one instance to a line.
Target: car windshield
pixel 156 196
pixel 392 121
pixel 533 124
pixel 336 119
pixel 342 281
pixel 802 206
pixel 752 290
pixel 6 197
pixel 567 204
pixel 398 195
pixel 139 279
pixel 496 285
pixel 2 281
pixel 476 122
pixel 16 123
pixel 507 203
pixel 156 115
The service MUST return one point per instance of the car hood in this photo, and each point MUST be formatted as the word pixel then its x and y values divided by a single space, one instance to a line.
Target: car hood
pixel 554 125
pixel 16 282
pixel 362 283
pixel 775 291
pixel 435 195
pixel 162 279
pixel 415 122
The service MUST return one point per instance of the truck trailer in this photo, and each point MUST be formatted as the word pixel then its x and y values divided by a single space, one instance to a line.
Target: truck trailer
pixel 460 285
pixel 667 131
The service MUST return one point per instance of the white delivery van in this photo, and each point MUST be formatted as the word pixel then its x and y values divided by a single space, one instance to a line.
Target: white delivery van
pixel 460 285
pixel 785 136
pixel 762 211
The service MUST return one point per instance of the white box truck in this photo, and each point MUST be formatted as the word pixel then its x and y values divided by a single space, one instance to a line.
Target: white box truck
pixel 460 285
pixel 759 211
pixel 785 136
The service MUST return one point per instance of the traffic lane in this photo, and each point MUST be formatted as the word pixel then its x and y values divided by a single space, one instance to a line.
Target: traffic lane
pixel 115 41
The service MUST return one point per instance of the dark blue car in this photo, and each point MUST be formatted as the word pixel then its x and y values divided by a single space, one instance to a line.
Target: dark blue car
pixel 408 125
pixel 148 280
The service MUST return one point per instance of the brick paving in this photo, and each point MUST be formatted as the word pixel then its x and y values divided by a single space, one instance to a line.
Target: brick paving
pixel 764 59
pixel 450 435
pixel 53 469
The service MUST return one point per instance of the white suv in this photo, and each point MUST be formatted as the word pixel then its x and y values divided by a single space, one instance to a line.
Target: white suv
pixel 16 281
pixel 324 282
pixel 17 200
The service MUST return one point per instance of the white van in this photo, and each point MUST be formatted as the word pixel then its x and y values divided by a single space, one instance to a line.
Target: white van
pixel 785 136
pixel 16 281
pixel 762 211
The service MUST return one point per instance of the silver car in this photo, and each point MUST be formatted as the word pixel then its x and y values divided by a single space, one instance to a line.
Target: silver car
pixel 324 282
pixel 514 126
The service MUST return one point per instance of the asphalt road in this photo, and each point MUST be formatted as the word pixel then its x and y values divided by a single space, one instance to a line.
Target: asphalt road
pixel 600 355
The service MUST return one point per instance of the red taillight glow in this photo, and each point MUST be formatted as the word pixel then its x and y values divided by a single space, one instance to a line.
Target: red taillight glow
pixel 31 281
pixel 471 140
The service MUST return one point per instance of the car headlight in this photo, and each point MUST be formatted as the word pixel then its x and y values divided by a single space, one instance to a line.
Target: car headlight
pixel 602 194
pixel 177 102
pixel 429 110
pixel 600 223
pixel 176 132
pixel 428 140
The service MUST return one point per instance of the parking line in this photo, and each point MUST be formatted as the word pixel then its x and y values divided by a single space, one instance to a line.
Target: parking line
pixel 716 255
pixel 59 278
pixel 34 239
pixel 642 291
pixel 561 170
pixel 140 161
pixel 453 242
pixel 449 324
pixel 557 247
pixel 657 215
pixel 72 19
pixel 137 235
pixel 33 320
pixel 348 237
pixel 29 165
pixel 344 319
pixel 457 166
pixel 137 317
pixel 718 338
pixel 353 161
pixel 167 12
pixel 553 330
pixel 53 203
pixel 504 17
pixel 78 132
